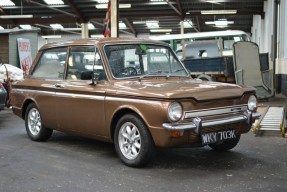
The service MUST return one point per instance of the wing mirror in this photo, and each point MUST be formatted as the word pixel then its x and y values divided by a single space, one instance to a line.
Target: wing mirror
pixel 87 75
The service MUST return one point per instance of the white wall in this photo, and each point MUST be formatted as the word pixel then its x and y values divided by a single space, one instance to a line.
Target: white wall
pixel 282 40
pixel 262 33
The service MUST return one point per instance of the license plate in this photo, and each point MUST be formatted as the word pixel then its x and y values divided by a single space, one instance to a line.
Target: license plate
pixel 214 137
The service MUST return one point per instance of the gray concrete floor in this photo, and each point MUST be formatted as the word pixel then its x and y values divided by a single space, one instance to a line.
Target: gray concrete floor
pixel 72 163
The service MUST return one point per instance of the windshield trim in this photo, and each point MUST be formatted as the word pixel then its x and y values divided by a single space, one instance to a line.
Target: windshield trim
pixel 144 75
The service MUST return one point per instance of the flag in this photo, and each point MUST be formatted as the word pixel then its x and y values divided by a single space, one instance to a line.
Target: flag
pixel 107 32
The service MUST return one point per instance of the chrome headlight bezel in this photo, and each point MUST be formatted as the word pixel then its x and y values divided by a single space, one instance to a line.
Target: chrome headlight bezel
pixel 252 103
pixel 175 111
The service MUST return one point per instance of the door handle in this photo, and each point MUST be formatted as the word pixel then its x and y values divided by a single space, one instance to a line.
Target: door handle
pixel 59 85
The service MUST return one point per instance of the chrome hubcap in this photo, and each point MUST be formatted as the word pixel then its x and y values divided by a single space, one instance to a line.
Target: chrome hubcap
pixel 129 140
pixel 34 121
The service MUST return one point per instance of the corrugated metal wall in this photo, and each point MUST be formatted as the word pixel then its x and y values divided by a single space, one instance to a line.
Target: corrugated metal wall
pixel 4 48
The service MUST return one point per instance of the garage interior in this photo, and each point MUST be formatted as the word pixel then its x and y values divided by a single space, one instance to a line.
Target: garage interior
pixel 41 21
pixel 263 20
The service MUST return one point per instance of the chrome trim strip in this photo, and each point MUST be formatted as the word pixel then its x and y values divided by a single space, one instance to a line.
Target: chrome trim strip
pixel 95 97
pixel 223 121
pixel 32 91
pixel 71 95
pixel 214 111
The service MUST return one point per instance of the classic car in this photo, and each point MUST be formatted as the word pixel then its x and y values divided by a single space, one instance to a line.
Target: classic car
pixel 132 92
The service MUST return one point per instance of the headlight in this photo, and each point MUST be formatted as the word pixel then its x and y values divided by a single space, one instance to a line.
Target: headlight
pixel 174 111
pixel 252 103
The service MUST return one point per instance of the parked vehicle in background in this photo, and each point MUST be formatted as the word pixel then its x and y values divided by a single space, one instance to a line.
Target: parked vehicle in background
pixel 3 96
pixel 207 55
pixel 225 38
pixel 132 92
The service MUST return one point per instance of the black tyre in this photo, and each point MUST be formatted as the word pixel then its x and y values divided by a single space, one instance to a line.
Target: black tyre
pixel 34 127
pixel 225 145
pixel 133 142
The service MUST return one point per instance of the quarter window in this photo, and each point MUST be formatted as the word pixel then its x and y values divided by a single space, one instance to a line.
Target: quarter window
pixel 51 64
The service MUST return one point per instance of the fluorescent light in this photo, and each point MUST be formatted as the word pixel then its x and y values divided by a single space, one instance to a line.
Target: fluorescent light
pixel 56 26
pixel 161 30
pixel 102 1
pixel 218 12
pixel 51 36
pixel 152 24
pixel 26 26
pixel 158 2
pixel 1 27
pixel 105 6
pixel 139 22
pixel 122 25
pixel 219 23
pixel 5 3
pixel 97 36
pixel 54 2
pixel 70 29
pixel 91 26
pixel 187 24
pixel 15 16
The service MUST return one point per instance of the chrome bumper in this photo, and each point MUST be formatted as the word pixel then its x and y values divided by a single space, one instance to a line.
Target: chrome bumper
pixel 197 123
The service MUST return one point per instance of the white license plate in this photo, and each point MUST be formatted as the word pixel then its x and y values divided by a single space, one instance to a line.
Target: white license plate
pixel 214 137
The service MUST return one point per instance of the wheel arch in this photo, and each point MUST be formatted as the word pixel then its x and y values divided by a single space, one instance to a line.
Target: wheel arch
pixel 120 113
pixel 25 106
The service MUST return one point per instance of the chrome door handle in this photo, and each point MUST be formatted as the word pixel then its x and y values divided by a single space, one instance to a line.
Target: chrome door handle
pixel 59 85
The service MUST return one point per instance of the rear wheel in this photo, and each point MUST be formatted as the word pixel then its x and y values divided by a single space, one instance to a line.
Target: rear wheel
pixel 225 145
pixel 133 142
pixel 34 127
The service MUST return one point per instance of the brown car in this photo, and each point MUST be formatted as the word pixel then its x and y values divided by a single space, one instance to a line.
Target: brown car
pixel 132 92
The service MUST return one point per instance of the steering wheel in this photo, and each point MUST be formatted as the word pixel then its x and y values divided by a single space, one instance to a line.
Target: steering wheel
pixel 130 71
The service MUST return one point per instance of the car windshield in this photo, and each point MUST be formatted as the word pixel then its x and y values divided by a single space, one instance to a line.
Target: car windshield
pixel 138 60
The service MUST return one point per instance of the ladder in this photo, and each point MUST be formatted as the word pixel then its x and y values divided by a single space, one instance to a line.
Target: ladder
pixel 272 122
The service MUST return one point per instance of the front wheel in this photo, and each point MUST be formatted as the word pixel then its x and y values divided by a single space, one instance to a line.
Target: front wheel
pixel 225 145
pixel 133 142
pixel 34 127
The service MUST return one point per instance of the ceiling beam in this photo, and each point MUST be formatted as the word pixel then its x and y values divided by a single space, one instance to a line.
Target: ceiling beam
pixel 179 5
pixel 44 21
pixel 129 24
pixel 76 10
pixel 49 7
pixel 174 8
pixel 9 20
pixel 101 24
pixel 198 24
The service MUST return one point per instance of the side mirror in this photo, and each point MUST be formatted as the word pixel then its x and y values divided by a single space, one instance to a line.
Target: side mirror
pixel 87 75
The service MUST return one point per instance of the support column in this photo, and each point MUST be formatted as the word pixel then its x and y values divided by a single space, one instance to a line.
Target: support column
pixel 282 48
pixel 256 29
pixel 85 30
pixel 114 18
pixel 181 27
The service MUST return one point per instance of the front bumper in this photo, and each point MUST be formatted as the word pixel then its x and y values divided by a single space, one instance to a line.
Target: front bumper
pixel 197 124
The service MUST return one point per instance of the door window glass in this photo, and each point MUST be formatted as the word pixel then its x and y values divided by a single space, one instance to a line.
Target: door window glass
pixel 83 59
pixel 51 64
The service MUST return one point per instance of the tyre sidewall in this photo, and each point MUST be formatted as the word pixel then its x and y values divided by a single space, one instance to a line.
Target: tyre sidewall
pixel 44 133
pixel 147 150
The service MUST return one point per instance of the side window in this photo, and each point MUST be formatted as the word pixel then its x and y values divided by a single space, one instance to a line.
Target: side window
pixel 51 64
pixel 82 59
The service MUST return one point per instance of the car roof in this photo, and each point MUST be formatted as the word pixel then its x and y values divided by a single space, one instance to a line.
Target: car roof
pixel 110 40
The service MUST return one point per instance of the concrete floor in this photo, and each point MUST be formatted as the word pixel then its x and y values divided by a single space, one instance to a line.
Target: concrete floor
pixel 71 163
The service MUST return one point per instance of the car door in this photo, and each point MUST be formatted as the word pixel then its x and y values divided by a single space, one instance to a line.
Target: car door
pixel 81 106
pixel 43 83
